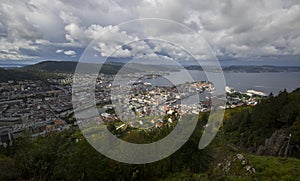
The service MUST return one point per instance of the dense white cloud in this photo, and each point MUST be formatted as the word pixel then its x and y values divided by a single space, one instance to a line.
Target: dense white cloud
pixel 59 51
pixel 233 28
pixel 70 52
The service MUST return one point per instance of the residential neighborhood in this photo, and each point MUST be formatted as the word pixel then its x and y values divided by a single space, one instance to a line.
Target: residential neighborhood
pixel 40 108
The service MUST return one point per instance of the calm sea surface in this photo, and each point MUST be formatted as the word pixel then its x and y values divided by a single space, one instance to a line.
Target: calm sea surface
pixel 265 82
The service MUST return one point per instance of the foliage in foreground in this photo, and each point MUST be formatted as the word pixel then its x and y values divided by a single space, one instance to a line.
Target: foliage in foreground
pixel 68 156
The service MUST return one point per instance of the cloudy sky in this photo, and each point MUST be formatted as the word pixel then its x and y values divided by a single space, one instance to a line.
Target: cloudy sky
pixel 237 30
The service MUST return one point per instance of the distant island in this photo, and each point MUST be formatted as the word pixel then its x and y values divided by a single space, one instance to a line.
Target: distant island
pixel 251 68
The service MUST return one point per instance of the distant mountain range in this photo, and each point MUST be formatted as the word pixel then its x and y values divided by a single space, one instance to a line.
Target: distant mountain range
pixel 37 71
pixel 252 68
pixel 114 67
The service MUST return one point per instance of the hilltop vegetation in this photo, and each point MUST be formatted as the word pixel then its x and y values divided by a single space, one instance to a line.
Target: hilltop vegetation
pixel 53 66
pixel 106 68
pixel 70 67
pixel 23 74
pixel 274 119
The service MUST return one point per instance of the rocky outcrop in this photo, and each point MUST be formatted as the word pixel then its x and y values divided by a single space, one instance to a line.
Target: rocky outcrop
pixel 237 165
pixel 275 145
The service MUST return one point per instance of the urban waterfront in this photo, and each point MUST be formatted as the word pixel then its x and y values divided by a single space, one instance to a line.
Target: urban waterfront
pixel 264 82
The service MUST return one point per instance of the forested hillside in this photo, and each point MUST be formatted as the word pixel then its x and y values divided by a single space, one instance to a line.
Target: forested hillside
pixel 266 128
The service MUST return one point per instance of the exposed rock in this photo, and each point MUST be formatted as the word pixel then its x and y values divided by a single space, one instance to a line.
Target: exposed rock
pixel 244 162
pixel 248 168
pixel 240 156
pixel 236 165
pixel 273 145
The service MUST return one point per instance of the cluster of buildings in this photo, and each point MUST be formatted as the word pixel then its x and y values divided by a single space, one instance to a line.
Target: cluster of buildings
pixel 34 106
pixel 45 107
pixel 144 105
pixel 236 98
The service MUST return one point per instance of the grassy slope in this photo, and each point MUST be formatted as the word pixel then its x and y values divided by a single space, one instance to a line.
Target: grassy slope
pixel 267 167
pixel 275 168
